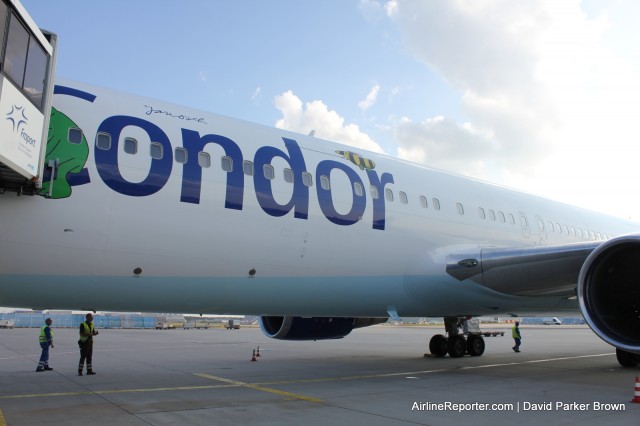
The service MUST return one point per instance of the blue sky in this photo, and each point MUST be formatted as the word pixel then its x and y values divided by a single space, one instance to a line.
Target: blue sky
pixel 539 96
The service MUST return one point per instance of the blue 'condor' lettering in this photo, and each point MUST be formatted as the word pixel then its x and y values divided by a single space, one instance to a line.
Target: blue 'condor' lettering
pixel 264 193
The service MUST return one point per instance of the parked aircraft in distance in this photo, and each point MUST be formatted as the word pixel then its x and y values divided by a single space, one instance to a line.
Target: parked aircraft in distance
pixel 155 207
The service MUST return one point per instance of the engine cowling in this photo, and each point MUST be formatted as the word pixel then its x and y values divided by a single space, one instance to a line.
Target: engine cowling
pixel 609 292
pixel 312 328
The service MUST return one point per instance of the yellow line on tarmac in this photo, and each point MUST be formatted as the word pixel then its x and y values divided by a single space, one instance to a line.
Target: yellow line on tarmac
pixel 112 391
pixel 2 421
pixel 262 388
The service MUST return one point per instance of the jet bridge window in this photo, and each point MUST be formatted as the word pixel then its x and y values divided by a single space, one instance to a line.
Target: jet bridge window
pixel 204 159
pixel 226 163
pixel 423 202
pixel 130 146
pixel 103 141
pixel 403 197
pixel 75 136
pixel 181 155
pixel 388 194
pixel 460 208
pixel 436 203
pixel 247 168
pixel 155 150
pixel 25 61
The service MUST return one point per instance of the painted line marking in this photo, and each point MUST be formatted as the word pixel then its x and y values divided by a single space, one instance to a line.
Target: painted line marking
pixel 115 391
pixel 2 420
pixel 262 388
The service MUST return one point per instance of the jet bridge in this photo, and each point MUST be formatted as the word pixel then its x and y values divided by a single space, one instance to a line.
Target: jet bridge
pixel 27 67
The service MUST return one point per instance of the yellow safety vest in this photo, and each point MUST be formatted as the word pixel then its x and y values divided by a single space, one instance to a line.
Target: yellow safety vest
pixel 515 333
pixel 86 329
pixel 43 336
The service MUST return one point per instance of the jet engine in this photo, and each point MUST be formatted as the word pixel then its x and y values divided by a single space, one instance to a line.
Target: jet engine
pixel 313 328
pixel 609 292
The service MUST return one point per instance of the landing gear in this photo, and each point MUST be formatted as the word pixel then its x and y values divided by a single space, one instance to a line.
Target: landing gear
pixel 457 344
pixel 438 346
pixel 475 345
pixel 627 359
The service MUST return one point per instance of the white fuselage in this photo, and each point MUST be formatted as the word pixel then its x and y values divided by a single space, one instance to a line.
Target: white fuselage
pixel 138 233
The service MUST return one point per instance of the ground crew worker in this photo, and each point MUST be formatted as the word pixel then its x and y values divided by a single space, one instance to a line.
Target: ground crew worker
pixel 87 331
pixel 46 340
pixel 515 333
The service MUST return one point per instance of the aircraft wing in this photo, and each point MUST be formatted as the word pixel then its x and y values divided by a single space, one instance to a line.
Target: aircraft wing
pixel 528 271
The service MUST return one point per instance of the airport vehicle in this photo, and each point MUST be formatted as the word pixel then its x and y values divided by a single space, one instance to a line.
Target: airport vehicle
pixel 7 323
pixel 149 206
pixel 552 321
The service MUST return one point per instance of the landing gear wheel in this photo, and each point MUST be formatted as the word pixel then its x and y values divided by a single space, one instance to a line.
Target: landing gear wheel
pixel 438 345
pixel 627 359
pixel 475 345
pixel 457 346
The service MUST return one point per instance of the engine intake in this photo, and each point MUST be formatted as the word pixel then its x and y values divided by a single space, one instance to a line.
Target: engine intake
pixel 609 292
pixel 313 328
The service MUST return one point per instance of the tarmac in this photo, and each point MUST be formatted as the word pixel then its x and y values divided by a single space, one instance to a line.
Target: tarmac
pixel 375 376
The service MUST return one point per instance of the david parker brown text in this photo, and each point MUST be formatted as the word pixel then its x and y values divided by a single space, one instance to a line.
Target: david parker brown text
pixel 518 407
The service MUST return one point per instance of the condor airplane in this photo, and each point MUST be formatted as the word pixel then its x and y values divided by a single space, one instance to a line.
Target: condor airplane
pixel 148 206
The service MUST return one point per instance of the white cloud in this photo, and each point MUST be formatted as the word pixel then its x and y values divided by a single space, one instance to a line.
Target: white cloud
pixel 371 98
pixel 545 95
pixel 257 95
pixel 315 115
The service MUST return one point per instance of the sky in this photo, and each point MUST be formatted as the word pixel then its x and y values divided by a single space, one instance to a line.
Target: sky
pixel 540 96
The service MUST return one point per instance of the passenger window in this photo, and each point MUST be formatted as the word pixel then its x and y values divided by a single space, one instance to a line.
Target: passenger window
pixel 388 194
pixel 460 208
pixel 403 197
pixel 75 136
pixel 501 217
pixel 492 215
pixel 307 179
pixel 358 189
pixel 324 182
pixel 130 146
pixel 573 230
pixel 436 204
pixel 565 229
pixel 559 228
pixel 204 159
pixel 103 141
pixel 551 227
pixel 156 150
pixel 481 213
pixel 226 163
pixel 288 175
pixel 268 171
pixel 374 192
pixel 180 155
pixel 512 220
pixel 247 168
pixel 423 202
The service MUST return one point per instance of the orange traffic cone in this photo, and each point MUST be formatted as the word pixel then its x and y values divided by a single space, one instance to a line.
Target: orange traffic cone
pixel 258 351
pixel 253 357
pixel 636 393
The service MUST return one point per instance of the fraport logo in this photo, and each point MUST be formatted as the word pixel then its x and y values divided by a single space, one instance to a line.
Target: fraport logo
pixel 18 121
